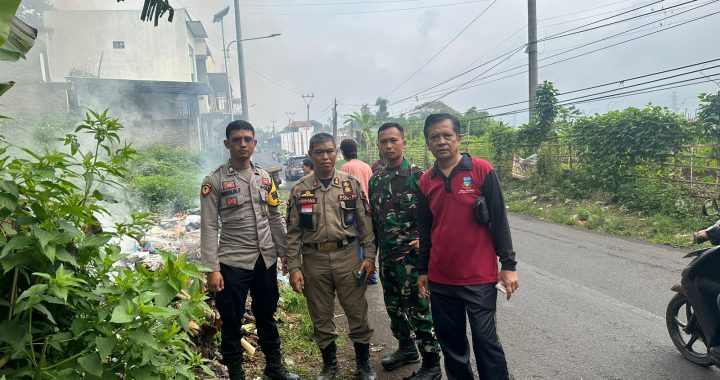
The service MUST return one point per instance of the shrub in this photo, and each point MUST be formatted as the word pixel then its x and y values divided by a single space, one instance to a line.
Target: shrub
pixel 653 197
pixel 72 312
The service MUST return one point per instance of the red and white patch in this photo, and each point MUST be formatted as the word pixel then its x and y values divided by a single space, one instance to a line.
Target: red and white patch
pixel 232 201
pixel 306 209
pixel 205 190
pixel 266 181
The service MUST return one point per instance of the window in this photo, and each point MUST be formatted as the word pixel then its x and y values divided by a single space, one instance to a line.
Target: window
pixel 118 44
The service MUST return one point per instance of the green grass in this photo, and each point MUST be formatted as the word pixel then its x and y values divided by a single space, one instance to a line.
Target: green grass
pixel 602 215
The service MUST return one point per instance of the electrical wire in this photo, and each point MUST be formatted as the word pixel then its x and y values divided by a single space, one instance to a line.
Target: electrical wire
pixel 442 49
pixel 368 11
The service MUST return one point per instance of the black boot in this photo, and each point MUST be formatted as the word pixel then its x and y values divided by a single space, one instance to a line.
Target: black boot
pixel 430 369
pixel 362 357
pixel 330 365
pixel 274 369
pixel 406 354
pixel 235 369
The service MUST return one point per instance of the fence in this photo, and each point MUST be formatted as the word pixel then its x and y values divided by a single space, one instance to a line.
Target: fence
pixel 695 167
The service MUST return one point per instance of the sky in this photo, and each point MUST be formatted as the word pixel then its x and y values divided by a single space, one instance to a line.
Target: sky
pixel 358 50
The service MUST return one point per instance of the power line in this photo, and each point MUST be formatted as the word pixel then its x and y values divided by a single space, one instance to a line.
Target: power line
pixel 442 49
pixel 333 4
pixel 368 11
pixel 567 51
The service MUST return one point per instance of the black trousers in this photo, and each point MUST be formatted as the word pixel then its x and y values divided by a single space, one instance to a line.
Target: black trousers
pixel 450 304
pixel 230 302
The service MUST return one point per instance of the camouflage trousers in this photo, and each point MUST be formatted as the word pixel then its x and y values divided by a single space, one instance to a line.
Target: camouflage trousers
pixel 410 316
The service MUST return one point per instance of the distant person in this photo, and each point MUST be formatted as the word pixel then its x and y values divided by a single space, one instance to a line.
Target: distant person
pixel 308 167
pixel 463 231
pixel 393 202
pixel 359 169
pixel 244 258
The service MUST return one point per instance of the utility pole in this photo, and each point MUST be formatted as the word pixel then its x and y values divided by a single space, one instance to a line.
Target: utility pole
pixel 334 120
pixel 289 116
pixel 307 103
pixel 220 17
pixel 273 133
pixel 532 55
pixel 241 63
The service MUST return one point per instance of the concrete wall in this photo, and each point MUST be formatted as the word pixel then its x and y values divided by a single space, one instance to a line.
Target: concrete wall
pixel 78 40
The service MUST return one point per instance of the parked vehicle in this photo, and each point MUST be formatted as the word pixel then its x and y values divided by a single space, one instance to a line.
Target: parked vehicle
pixel 693 315
pixel 293 168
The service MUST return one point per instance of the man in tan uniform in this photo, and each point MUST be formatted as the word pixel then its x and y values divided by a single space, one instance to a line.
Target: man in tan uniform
pixel 327 210
pixel 243 198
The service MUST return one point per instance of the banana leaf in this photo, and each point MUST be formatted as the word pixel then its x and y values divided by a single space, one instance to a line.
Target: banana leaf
pixel 20 40
pixel 7 14
pixel 153 10
pixel 5 86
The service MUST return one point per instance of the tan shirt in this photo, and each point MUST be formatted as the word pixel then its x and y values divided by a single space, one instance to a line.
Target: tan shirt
pixel 244 214
pixel 317 215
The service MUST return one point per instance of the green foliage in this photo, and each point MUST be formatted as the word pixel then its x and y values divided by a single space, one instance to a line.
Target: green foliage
pixel 168 178
pixel 546 109
pixel 709 115
pixel 503 138
pixel 71 312
pixel 612 146
pixel 653 197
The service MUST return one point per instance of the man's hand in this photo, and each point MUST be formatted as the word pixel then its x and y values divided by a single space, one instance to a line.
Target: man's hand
pixel 297 281
pixel 283 264
pixel 422 285
pixel 700 237
pixel 369 268
pixel 415 243
pixel 509 279
pixel 215 282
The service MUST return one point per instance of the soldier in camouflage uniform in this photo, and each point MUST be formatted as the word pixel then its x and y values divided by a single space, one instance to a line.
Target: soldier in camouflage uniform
pixel 394 211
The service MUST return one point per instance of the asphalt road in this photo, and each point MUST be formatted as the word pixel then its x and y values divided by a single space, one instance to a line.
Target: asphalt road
pixel 590 306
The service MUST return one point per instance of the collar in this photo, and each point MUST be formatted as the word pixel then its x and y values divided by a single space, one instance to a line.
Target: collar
pixel 316 181
pixel 230 170
pixel 464 164
pixel 403 170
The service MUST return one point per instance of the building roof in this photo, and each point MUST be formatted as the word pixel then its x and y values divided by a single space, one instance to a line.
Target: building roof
pixel 295 125
pixel 144 86
pixel 197 29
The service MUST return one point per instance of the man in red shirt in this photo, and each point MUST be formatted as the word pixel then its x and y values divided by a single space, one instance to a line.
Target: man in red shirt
pixel 458 267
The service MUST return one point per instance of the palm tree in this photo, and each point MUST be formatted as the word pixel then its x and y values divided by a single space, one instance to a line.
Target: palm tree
pixel 363 121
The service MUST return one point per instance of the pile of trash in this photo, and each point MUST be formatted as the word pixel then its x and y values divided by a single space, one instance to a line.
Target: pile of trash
pixel 177 235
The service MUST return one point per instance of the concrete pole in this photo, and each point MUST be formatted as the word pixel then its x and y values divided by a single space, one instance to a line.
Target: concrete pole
pixel 241 63
pixel 532 56
pixel 228 96
pixel 334 120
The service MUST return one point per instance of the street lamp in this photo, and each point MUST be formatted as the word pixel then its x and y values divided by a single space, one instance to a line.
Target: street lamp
pixel 241 64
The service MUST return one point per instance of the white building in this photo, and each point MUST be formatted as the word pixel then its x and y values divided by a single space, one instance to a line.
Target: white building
pixel 295 138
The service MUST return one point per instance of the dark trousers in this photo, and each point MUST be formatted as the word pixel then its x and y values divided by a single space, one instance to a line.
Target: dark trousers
pixel 450 304
pixel 262 284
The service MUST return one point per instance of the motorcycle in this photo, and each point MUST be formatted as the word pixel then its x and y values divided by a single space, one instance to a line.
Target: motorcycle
pixel 692 316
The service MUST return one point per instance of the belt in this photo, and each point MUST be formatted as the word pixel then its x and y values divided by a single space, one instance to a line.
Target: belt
pixel 330 246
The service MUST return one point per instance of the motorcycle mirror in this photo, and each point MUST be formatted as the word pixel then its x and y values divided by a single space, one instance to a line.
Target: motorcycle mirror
pixel 710 208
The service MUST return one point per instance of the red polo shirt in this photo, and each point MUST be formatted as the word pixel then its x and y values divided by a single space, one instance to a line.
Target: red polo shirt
pixel 454 248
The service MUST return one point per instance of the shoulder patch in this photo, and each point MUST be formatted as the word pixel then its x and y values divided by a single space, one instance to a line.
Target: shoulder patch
pixel 205 189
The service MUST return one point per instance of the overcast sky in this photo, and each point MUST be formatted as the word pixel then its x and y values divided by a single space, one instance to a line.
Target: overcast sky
pixel 357 50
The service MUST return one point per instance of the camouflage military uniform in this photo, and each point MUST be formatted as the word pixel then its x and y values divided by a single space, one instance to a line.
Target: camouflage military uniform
pixel 394 213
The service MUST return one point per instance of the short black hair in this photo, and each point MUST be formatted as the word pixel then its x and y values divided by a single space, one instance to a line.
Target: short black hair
pixel 238 125
pixel 309 163
pixel 349 148
pixel 392 125
pixel 435 118
pixel 320 138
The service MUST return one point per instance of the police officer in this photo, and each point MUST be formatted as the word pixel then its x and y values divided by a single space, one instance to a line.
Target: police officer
pixel 244 199
pixel 394 214
pixel 326 211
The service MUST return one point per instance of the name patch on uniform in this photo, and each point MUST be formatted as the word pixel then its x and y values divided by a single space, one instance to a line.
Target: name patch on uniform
pixel 307 201
pixel 205 189
pixel 232 201
pixel 347 197
pixel 227 185
pixel 228 192
pixel 347 189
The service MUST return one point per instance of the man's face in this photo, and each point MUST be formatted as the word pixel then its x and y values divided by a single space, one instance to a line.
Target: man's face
pixel 442 140
pixel 391 144
pixel 241 144
pixel 324 156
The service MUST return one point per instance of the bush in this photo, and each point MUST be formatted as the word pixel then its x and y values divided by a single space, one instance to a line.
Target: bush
pixel 651 197
pixel 72 313
pixel 168 178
